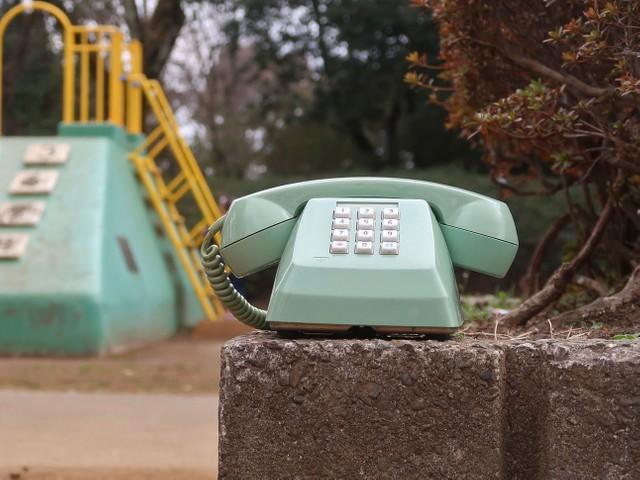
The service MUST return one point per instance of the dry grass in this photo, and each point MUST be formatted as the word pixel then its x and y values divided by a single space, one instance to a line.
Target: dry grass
pixel 533 333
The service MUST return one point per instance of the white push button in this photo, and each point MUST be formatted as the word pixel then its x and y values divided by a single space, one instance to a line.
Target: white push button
pixel 33 181
pixel 47 153
pixel 364 247
pixel 339 247
pixel 389 248
pixel 13 245
pixel 390 224
pixel 341 223
pixel 340 234
pixel 366 212
pixel 21 213
pixel 342 212
pixel 389 236
pixel 390 212
pixel 365 236
pixel 366 223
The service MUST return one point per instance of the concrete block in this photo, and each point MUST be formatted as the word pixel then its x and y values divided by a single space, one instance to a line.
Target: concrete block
pixel 351 408
pixel 592 421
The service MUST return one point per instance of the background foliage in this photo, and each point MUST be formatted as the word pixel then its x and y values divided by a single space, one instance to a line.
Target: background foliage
pixel 273 91
pixel 551 90
pixel 271 83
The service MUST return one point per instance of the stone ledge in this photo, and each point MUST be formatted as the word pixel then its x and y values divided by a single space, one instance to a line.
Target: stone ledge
pixel 351 408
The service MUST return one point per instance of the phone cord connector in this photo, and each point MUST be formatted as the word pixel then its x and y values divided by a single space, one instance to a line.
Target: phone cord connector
pixel 213 266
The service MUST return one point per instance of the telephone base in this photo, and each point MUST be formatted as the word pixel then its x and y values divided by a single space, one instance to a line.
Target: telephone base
pixel 411 290
pixel 337 328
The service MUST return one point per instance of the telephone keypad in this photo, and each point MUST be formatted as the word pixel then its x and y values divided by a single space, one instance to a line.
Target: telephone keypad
pixel 366 212
pixel 342 212
pixel 365 236
pixel 341 223
pixel 390 224
pixel 364 247
pixel 366 223
pixel 391 212
pixel 389 236
pixel 367 229
pixel 340 234
pixel 339 247
pixel 389 248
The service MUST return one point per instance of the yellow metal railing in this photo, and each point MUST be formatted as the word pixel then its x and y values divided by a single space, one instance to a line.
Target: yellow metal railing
pixel 166 193
pixel 93 73
pixel 99 87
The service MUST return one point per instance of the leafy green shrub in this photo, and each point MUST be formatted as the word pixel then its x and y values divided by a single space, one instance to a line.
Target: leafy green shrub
pixel 551 90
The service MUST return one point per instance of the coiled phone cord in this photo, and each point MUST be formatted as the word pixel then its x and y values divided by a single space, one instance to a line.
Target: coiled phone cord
pixel 213 266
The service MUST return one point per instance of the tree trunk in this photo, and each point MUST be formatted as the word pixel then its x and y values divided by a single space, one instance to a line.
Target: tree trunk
pixel 360 138
pixel 160 34
pixel 624 305
pixel 391 132
pixel 14 68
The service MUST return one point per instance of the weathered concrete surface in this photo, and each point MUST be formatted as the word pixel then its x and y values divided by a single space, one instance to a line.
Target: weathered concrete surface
pixel 317 408
pixel 593 420
pixel 359 409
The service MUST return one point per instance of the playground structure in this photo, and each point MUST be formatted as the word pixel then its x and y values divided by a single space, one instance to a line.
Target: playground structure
pixel 95 250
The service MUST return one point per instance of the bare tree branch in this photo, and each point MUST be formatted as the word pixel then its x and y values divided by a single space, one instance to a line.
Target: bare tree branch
pixel 531 280
pixel 541 69
pixel 560 279
pixel 624 304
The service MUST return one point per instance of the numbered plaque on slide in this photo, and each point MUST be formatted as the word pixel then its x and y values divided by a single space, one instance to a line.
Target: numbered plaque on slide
pixel 47 153
pixel 33 181
pixel 21 213
pixel 13 245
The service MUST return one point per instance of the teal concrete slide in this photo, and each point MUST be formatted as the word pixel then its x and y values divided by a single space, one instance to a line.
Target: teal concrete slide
pixel 96 275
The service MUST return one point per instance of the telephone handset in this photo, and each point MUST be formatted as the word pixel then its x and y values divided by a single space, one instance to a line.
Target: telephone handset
pixel 359 252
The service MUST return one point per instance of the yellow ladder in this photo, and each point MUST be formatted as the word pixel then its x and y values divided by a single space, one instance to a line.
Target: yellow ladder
pixel 165 194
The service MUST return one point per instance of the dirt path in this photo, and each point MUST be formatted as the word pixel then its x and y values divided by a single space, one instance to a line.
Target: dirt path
pixel 179 365
pixel 92 436
pixel 103 474
pixel 149 414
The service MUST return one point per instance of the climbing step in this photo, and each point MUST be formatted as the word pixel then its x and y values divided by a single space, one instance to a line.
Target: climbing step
pixel 16 214
pixel 47 154
pixel 29 182
pixel 13 245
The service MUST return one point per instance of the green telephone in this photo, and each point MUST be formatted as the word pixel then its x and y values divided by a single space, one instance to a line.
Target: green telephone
pixel 359 252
